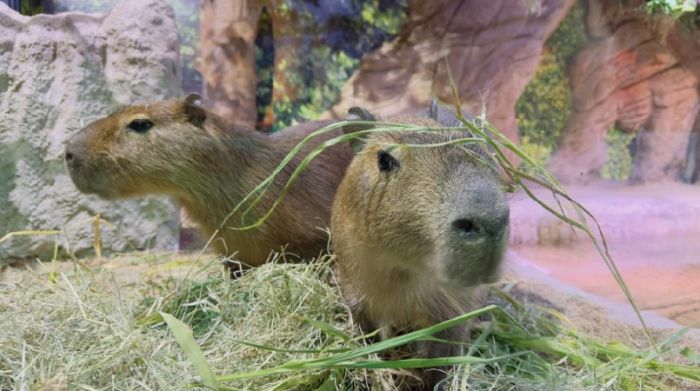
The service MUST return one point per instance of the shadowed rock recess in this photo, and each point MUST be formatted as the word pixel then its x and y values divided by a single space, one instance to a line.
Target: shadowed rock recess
pixel 58 73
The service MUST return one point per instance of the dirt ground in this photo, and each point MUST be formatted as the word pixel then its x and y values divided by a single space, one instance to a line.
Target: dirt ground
pixel 651 231
pixel 588 313
pixel 662 279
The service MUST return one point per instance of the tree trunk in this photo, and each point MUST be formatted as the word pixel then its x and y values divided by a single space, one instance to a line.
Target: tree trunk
pixel 227 32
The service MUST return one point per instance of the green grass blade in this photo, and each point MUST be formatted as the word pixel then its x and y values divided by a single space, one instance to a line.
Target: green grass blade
pixel 305 382
pixel 328 329
pixel 183 336
pixel 404 339
pixel 344 360
pixel 28 233
pixel 414 363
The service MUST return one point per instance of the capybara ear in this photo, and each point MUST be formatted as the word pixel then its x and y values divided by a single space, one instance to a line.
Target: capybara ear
pixel 192 107
pixel 358 114
pixel 433 112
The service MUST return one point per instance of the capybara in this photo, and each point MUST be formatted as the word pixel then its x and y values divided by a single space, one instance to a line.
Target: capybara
pixel 208 165
pixel 416 232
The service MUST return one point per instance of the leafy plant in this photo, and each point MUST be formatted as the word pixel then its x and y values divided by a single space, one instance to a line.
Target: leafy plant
pixel 544 107
pixel 619 164
pixel 30 7
pixel 674 8
pixel 333 37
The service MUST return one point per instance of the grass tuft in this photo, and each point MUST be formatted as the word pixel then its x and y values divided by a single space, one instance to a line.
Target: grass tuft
pixel 280 327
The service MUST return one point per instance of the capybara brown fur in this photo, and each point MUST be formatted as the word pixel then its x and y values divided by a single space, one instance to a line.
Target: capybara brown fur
pixel 208 165
pixel 416 232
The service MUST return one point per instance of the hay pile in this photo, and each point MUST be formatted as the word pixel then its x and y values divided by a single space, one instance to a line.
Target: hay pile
pixel 97 326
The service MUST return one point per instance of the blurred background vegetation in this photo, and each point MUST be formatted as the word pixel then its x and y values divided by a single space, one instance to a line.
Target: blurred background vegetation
pixel 335 34
pixel 545 105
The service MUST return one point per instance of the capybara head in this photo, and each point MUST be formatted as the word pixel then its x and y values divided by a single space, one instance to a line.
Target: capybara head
pixel 140 149
pixel 435 210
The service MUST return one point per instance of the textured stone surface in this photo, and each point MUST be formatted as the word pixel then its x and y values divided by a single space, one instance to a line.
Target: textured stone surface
pixel 228 58
pixel 58 72
pixel 629 77
pixel 492 47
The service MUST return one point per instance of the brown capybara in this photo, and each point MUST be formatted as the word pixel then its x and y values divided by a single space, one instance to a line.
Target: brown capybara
pixel 416 231
pixel 208 165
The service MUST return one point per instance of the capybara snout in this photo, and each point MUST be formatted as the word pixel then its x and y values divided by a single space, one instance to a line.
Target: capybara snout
pixel 476 228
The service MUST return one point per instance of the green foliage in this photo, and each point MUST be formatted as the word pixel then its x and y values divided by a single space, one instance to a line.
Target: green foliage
pixel 538 151
pixel 685 12
pixel 195 303
pixel 30 7
pixel 674 8
pixel 545 105
pixel 570 36
pixel 318 90
pixel 619 164
pixel 388 20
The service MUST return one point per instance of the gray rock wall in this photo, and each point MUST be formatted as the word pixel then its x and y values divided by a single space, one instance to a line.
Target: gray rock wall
pixel 57 73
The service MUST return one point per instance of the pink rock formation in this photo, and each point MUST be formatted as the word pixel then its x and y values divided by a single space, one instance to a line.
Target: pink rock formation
pixel 492 48
pixel 627 77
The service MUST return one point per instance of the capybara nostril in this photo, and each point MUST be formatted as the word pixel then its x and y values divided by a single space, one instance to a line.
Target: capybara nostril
pixel 69 156
pixel 466 226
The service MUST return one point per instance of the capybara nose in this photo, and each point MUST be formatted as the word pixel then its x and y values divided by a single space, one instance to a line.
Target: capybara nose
pixel 476 227
pixel 72 157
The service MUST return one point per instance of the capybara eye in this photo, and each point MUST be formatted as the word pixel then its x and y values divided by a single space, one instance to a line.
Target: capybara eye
pixel 140 125
pixel 465 226
pixel 386 162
